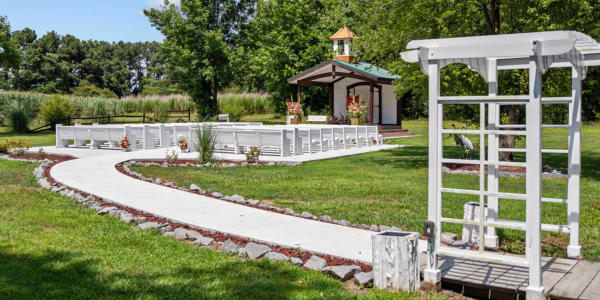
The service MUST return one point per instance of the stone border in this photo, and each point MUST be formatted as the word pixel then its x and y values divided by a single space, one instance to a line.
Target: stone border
pixel 340 268
pixel 125 168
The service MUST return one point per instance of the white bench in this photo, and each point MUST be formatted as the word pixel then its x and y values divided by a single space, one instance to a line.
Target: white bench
pixel 321 119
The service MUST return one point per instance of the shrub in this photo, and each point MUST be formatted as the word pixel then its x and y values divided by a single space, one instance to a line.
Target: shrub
pixel 161 112
pixel 18 115
pixel 206 142
pixel 3 149
pixel 235 111
pixel 55 110
pixel 18 147
pixel 253 155
pixel 87 89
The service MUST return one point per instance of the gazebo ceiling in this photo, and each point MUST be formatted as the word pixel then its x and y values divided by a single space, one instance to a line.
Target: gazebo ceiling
pixel 512 51
pixel 332 71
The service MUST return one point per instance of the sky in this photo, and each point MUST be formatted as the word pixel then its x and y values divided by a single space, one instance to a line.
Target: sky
pixel 105 20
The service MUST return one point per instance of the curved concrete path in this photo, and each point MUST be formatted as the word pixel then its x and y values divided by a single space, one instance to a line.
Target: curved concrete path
pixel 97 175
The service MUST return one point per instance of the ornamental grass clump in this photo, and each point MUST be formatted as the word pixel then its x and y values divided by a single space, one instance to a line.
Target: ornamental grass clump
pixel 206 142
pixel 18 115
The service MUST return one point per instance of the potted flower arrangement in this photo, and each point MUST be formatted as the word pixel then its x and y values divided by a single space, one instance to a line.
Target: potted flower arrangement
pixel 183 144
pixel 356 112
pixel 124 144
pixel 294 108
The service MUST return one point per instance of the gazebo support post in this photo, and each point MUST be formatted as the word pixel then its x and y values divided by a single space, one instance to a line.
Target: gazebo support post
pixel 574 249
pixel 535 290
pixel 379 112
pixel 432 275
pixel 371 87
pixel 491 238
pixel 331 102
pixel 298 92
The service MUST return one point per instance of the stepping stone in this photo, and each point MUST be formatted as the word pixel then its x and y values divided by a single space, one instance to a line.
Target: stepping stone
pixel 148 225
pixel 230 247
pixel 180 233
pixel 255 250
pixel 296 261
pixel 204 241
pixel 276 256
pixel 106 210
pixel 363 278
pixel 315 263
pixel 341 272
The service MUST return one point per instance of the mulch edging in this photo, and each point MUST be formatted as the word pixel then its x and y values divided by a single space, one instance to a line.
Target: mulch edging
pixel 43 174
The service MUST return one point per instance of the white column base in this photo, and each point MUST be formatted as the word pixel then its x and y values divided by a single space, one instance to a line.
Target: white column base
pixel 432 276
pixel 491 241
pixel 535 293
pixel 573 251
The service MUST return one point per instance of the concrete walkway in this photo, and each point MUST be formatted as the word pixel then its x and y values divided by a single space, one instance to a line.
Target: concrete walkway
pixel 95 173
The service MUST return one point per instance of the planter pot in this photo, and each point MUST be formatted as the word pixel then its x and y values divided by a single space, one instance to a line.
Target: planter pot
pixel 355 121
pixel 396 260
pixel 186 150
pixel 125 149
pixel 295 121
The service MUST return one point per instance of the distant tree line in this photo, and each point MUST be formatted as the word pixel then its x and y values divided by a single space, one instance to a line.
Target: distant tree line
pixel 66 65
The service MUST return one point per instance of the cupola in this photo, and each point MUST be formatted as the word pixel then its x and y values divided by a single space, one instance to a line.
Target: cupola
pixel 342 44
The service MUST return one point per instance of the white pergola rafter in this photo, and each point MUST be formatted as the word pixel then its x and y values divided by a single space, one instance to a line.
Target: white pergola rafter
pixel 536 52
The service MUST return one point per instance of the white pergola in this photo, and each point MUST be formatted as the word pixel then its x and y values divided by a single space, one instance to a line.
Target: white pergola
pixel 536 52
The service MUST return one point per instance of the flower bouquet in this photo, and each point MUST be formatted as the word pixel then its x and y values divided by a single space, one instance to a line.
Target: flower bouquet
pixel 294 108
pixel 183 144
pixel 124 144
pixel 356 112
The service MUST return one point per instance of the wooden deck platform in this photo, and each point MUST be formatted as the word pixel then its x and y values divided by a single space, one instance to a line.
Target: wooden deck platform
pixel 562 278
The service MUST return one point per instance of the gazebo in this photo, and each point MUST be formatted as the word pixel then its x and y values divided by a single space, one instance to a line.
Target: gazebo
pixel 346 78
pixel 536 52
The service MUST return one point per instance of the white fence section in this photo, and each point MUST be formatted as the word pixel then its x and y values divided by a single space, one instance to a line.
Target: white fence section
pixel 235 138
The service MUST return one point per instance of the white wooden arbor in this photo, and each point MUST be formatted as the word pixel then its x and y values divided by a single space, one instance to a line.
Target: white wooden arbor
pixel 536 52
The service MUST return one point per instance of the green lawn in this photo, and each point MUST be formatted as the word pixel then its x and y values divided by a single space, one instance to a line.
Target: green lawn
pixel 45 138
pixel 52 248
pixel 390 188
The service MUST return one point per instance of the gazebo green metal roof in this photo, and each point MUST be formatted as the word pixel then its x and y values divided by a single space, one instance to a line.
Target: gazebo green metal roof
pixel 366 69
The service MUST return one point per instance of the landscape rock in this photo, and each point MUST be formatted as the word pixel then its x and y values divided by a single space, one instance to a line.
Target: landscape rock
pixel 315 263
pixel 242 252
pixel 325 218
pixel 289 211
pixel 345 223
pixel 106 210
pixel 126 217
pixel 385 228
pixel 164 228
pixel 296 261
pixel 237 198
pixel 180 233
pixel 217 195
pixel 204 241
pixel 148 225
pixel 169 233
pixel 253 202
pixel 158 181
pixel 306 214
pixel 139 220
pixel 363 278
pixel 341 272
pixel 115 212
pixel 230 247
pixel 448 237
pixel 193 235
pixel 365 226
pixel 255 250
pixel 95 205
pixel 276 256
pixel 374 227
pixel 194 187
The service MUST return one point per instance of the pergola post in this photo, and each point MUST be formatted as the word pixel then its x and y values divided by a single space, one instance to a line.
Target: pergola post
pixel 535 290
pixel 298 92
pixel 491 238
pixel 371 87
pixel 432 275
pixel 331 102
pixel 574 249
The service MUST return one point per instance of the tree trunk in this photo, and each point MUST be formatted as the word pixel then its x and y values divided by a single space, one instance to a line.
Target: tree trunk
pixel 508 141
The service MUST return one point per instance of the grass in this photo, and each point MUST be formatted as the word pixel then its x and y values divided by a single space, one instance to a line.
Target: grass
pixel 390 187
pixel 37 139
pixel 52 248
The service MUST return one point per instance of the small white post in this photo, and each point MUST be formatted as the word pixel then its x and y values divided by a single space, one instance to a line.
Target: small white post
pixel 432 275
pixel 491 238
pixel 164 137
pixel 535 290
pixel 574 249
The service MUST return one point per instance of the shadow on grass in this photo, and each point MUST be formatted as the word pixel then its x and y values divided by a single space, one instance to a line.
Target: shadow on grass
pixel 62 274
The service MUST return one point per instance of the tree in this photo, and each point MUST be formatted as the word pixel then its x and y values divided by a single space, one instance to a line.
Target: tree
pixel 199 42
pixel 9 54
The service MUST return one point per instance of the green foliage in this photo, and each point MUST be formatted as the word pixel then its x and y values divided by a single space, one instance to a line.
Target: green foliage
pixel 234 110
pixel 9 56
pixel 18 115
pixel 55 110
pixel 253 155
pixel 251 102
pixel 17 146
pixel 161 112
pixel 206 142
pixel 86 89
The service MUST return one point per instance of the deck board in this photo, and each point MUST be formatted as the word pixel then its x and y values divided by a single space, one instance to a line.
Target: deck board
pixel 573 284
pixel 592 292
